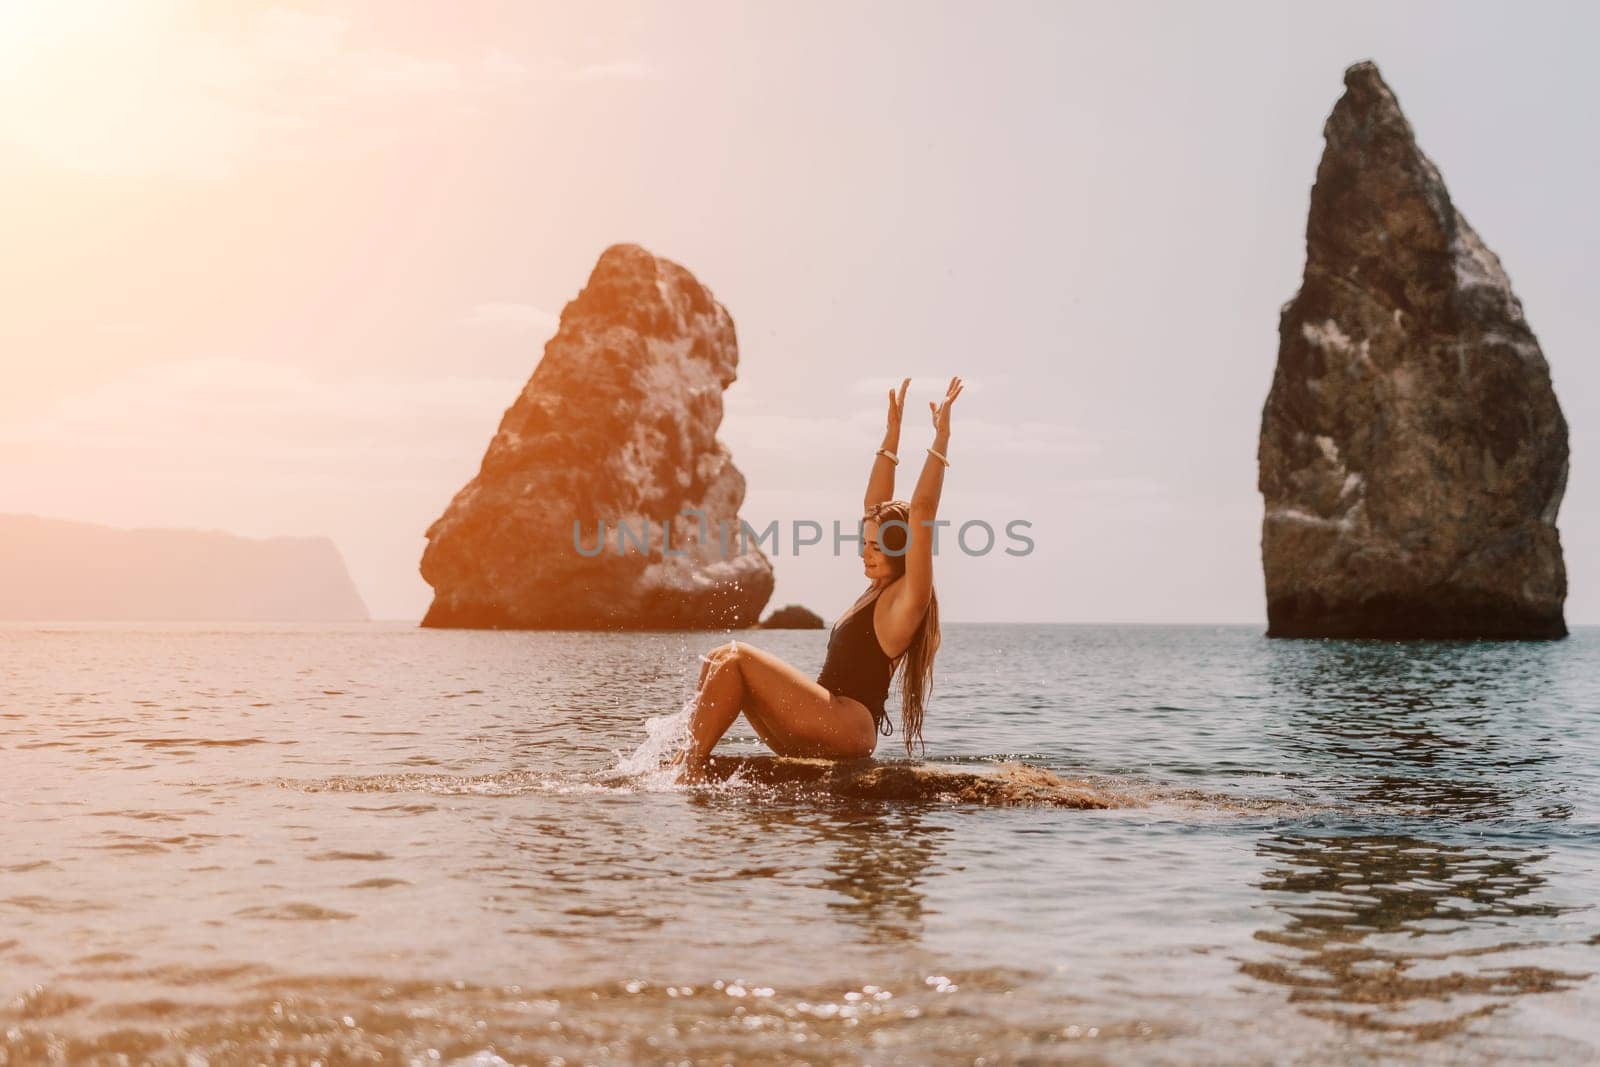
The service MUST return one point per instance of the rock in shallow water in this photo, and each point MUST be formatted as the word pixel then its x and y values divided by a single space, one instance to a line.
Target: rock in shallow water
pixel 1007 785
pixel 793 617
pixel 1413 455
pixel 617 425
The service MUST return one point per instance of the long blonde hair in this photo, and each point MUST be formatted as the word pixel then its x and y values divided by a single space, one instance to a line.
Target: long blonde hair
pixel 915 665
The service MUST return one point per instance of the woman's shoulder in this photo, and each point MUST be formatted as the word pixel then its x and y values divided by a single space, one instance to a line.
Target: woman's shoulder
pixel 895 598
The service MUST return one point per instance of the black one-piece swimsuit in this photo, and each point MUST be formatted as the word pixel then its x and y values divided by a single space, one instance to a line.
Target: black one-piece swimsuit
pixel 856 665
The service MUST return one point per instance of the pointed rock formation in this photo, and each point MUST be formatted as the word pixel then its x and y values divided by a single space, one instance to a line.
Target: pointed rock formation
pixel 617 426
pixel 1412 455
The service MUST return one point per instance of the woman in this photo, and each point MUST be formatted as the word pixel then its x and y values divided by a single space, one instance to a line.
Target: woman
pixel 893 626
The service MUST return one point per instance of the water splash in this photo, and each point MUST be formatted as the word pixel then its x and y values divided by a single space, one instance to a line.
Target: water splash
pixel 650 766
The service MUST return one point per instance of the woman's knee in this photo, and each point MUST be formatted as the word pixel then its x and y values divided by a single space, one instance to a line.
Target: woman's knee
pixel 721 661
pixel 719 655
pixel 733 652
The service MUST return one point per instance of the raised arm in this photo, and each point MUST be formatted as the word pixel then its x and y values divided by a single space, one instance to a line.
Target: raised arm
pixel 880 483
pixel 925 506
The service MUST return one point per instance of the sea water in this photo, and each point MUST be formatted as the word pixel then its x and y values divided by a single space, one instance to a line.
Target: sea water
pixel 293 844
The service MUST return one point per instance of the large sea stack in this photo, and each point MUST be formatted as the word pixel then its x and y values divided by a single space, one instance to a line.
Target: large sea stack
pixel 1413 455
pixel 618 426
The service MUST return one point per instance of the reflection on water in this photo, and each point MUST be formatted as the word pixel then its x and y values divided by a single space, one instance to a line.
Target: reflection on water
pixel 1376 926
pixel 1459 730
pixel 1394 931
pixel 374 844
pixel 874 857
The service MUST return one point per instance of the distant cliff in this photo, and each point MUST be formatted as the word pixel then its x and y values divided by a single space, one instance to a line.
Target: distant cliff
pixel 1413 455
pixel 52 569
pixel 617 425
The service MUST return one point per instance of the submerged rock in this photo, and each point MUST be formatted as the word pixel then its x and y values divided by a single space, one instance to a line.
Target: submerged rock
pixel 1008 785
pixel 1412 454
pixel 782 779
pixel 793 617
pixel 617 426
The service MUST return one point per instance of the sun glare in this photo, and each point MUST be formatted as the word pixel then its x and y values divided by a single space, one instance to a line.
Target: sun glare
pixel 35 32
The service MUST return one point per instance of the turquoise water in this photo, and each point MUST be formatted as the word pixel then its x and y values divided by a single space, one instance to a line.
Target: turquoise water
pixel 379 843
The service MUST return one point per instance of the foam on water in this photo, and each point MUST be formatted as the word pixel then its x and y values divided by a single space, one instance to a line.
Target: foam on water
pixel 648 769
pixel 650 766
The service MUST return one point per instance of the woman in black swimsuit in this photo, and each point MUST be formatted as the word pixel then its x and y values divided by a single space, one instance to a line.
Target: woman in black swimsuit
pixel 893 626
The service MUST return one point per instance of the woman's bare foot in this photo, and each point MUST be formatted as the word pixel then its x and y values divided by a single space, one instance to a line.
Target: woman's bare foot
pixel 693 768
pixel 692 776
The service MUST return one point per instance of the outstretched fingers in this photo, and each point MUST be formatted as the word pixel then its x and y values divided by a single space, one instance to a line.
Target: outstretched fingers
pixel 941 412
pixel 897 403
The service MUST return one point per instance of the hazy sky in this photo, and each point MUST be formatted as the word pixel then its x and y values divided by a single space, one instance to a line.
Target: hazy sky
pixel 279 269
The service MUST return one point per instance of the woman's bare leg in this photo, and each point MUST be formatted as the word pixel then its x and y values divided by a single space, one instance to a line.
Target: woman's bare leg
pixel 708 663
pixel 792 713
pixel 717 705
pixel 805 719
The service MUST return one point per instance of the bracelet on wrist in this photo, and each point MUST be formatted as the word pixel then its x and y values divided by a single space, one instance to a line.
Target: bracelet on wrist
pixel 890 456
pixel 934 452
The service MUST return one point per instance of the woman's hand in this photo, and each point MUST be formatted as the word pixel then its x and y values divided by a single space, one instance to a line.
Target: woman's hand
pixel 897 408
pixel 941 412
pixel 880 483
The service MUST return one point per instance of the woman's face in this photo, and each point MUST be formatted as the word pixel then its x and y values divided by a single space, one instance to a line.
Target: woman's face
pixel 873 560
